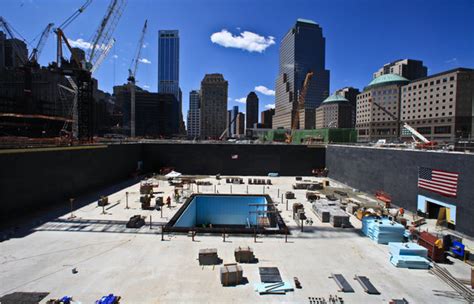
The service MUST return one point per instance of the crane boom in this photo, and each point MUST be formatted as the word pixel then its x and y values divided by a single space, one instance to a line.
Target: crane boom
pixel 4 24
pixel 41 42
pixel 405 125
pixel 134 65
pixel 103 55
pixel 131 79
pixel 104 33
pixel 301 101
pixel 71 18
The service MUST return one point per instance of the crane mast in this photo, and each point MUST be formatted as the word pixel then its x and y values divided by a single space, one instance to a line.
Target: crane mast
pixel 131 79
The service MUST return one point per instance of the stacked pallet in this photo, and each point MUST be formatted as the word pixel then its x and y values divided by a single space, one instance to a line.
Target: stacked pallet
pixel 338 218
pixel 382 230
pixel 330 212
pixel 408 255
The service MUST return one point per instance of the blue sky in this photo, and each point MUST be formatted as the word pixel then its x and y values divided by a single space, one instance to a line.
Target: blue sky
pixel 360 36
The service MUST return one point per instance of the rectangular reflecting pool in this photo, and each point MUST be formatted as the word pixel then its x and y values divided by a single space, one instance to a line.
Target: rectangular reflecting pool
pixel 232 213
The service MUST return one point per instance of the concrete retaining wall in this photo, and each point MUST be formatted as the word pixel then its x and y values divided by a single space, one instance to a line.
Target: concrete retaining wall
pixel 250 159
pixel 396 172
pixel 31 179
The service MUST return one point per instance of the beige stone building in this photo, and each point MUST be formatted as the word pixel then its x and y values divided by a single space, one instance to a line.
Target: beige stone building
pixel 372 123
pixel 441 107
pixel 334 112
pixel 213 106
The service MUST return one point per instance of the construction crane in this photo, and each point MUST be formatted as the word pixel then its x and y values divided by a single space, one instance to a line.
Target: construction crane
pixel 132 71
pixel 299 106
pixel 103 35
pixel 16 49
pixel 40 45
pixel 425 142
pixel 82 71
pixel 61 37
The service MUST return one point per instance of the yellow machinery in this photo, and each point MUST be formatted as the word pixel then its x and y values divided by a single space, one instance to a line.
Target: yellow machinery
pixel 296 112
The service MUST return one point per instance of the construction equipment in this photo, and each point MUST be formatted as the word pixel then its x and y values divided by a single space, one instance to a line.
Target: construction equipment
pixel 299 106
pixel 425 142
pixel 103 35
pixel 34 56
pixel 82 71
pixel 132 71
pixel 16 49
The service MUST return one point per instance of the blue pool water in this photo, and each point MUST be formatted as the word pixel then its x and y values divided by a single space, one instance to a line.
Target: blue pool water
pixel 221 210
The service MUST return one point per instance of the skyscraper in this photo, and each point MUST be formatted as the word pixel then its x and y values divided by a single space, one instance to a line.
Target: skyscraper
pixel 168 69
pixel 168 62
pixel 213 105
pixel 240 124
pixel 231 121
pixel 194 114
pixel 302 50
pixel 252 109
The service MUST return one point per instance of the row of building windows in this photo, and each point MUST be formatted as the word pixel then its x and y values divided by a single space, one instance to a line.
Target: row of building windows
pixel 425 84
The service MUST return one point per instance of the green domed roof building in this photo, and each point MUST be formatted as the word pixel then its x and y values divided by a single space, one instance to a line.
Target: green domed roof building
pixel 335 112
pixel 372 123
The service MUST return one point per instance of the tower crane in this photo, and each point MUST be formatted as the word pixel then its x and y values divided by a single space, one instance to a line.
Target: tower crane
pixel 102 42
pixel 425 142
pixel 16 49
pixel 299 105
pixel 34 56
pixel 132 71
pixel 103 36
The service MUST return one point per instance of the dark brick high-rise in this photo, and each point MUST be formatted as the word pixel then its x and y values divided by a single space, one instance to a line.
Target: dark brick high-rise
pixel 251 110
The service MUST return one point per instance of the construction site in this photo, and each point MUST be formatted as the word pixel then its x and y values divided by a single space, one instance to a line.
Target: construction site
pixel 104 205
pixel 268 223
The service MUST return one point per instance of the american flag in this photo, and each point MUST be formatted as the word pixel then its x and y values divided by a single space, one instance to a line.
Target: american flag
pixel 441 182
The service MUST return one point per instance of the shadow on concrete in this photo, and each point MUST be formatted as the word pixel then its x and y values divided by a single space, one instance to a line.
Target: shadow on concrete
pixel 23 225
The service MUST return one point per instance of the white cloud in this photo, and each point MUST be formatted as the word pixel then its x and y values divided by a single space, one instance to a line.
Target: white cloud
pixel 452 61
pixel 145 45
pixel 144 60
pixel 81 43
pixel 146 86
pixel 115 56
pixel 270 106
pixel 264 90
pixel 247 41
pixel 242 100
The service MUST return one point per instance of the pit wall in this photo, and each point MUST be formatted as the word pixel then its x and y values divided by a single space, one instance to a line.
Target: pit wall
pixel 234 159
pixel 32 179
pixel 396 172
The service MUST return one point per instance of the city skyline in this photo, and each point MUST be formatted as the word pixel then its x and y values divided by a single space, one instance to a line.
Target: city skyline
pixel 226 44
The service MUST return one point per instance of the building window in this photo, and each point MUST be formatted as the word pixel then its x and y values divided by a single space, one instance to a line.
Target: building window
pixel 442 129
pixel 451 78
pixel 424 130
